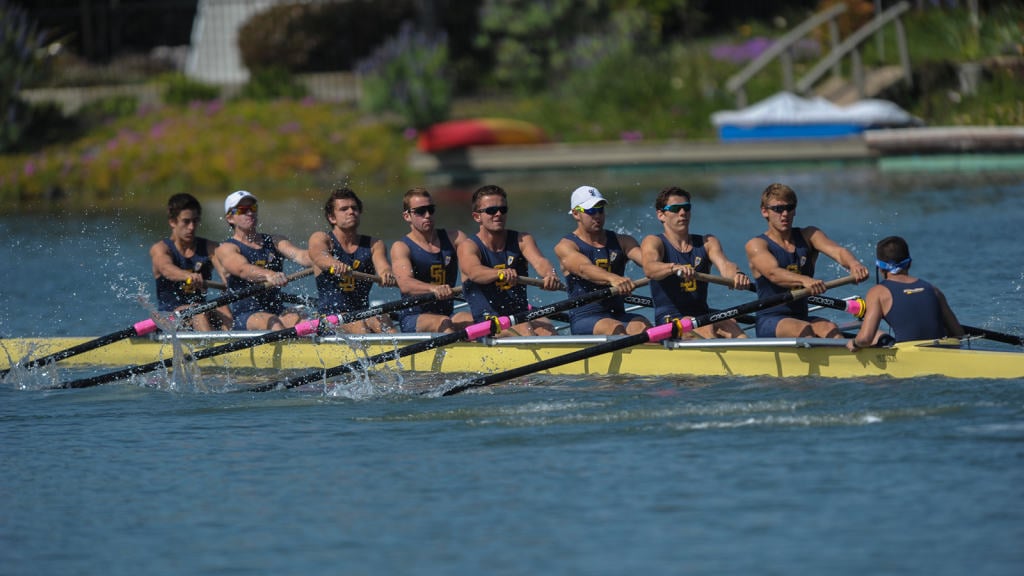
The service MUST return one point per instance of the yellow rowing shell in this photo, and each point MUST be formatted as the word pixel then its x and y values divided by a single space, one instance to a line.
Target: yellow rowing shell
pixel 749 357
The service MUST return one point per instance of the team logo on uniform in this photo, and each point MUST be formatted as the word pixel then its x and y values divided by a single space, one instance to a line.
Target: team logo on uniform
pixel 696 261
pixel 447 261
pixel 511 261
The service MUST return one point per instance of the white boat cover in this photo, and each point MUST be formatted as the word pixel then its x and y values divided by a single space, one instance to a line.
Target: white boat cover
pixel 788 109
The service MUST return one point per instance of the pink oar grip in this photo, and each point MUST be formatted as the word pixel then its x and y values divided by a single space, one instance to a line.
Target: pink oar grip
pixel 145 327
pixel 483 329
pixel 307 327
pixel 660 332
pixel 857 307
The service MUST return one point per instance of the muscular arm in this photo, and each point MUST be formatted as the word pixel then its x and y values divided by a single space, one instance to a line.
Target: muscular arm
pixel 163 266
pixel 380 262
pixel 540 263
pixel 652 251
pixel 631 248
pixel 876 308
pixel 211 249
pixel 320 254
pixel 473 269
pixel 763 263
pixel 822 243
pixel 401 263
pixel 573 261
pixel 292 252
pixel 235 264
pixel 727 268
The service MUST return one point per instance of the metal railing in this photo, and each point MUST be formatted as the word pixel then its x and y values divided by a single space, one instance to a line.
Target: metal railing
pixel 852 46
pixel 783 50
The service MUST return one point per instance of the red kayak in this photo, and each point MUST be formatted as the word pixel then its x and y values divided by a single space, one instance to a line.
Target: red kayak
pixel 479 132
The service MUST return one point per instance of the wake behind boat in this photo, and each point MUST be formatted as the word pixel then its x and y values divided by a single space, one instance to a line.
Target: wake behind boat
pixel 776 357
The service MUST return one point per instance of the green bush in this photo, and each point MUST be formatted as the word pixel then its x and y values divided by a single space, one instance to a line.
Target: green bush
pixel 320 36
pixel 526 38
pixel 271 84
pixel 20 43
pixel 409 76
pixel 180 90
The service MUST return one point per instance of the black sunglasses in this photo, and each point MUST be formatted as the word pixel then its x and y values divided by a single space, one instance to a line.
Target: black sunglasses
pixel 423 210
pixel 492 210
pixel 779 209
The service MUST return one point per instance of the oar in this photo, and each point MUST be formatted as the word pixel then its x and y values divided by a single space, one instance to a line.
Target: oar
pixel 993 335
pixel 305 328
pixel 471 332
pixel 149 325
pixel 658 333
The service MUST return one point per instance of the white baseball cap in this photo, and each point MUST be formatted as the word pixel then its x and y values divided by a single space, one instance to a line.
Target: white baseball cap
pixel 234 198
pixel 585 197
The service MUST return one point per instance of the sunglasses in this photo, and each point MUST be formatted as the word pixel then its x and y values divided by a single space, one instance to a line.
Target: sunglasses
pixel 243 209
pixel 492 210
pixel 423 210
pixel 591 211
pixel 675 208
pixel 779 209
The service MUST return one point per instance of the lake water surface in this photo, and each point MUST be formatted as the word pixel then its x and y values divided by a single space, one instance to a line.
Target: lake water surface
pixel 547 475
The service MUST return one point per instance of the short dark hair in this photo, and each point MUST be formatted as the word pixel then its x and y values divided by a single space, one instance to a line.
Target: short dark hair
pixel 892 249
pixel 662 198
pixel 488 190
pixel 181 202
pixel 340 194
pixel 413 192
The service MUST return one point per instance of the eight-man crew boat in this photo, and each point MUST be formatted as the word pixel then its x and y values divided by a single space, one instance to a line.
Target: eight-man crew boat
pixel 776 357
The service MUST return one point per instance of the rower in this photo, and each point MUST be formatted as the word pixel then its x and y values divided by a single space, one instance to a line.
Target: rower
pixel 251 257
pixel 913 308
pixel 672 260
pixel 425 262
pixel 341 250
pixel 592 258
pixel 494 259
pixel 783 258
pixel 183 264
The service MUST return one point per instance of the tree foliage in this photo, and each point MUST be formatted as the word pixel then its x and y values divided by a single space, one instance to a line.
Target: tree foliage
pixel 21 42
pixel 409 75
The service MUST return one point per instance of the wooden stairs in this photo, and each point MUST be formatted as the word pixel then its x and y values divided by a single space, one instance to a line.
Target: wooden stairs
pixel 843 91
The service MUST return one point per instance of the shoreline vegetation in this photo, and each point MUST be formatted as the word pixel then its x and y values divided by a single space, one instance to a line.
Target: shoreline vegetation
pixel 125 155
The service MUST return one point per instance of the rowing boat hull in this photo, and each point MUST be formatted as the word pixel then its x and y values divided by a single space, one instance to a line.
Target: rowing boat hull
pixel 752 357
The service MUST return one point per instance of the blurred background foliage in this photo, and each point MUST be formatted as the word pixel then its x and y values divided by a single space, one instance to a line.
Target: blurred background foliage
pixel 583 70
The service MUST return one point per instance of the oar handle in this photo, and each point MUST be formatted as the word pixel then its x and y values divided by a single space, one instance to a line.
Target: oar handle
pixel 528 281
pixel 356 274
pixel 721 280
pixel 372 311
pixel 638 283
pixel 230 296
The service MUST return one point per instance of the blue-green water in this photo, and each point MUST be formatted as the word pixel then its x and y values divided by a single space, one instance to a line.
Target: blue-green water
pixel 545 475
